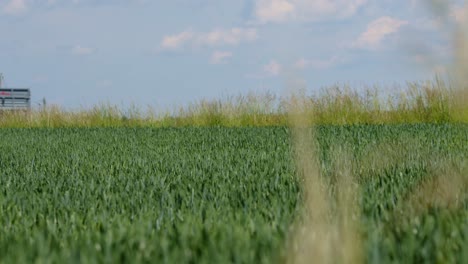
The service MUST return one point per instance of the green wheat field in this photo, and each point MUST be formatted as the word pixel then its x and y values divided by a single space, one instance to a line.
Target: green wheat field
pixel 103 186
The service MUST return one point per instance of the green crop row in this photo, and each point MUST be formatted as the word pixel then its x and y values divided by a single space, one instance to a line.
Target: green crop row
pixel 223 195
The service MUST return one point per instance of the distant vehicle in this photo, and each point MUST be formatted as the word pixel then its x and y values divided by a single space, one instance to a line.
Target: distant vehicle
pixel 14 98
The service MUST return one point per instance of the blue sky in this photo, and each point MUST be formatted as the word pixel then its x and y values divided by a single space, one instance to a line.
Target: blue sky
pixel 77 53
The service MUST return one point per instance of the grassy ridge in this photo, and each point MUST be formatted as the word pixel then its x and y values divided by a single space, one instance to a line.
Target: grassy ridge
pixel 423 102
pixel 224 194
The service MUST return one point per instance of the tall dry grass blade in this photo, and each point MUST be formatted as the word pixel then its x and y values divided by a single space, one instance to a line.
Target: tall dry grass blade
pixel 312 238
pixel 461 67
pixel 321 235
pixel 457 27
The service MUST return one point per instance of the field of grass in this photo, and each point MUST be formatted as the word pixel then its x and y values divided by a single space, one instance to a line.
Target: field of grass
pixel 345 175
pixel 434 101
pixel 217 195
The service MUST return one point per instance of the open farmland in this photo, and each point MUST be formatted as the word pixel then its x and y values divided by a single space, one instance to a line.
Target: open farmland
pixel 195 195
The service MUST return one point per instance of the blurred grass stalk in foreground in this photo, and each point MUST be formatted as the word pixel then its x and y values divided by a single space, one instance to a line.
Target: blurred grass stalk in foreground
pixel 330 234
pixel 454 20
pixel 322 233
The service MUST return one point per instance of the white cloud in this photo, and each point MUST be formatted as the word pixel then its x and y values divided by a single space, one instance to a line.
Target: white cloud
pixel 15 7
pixel 176 41
pixel 231 37
pixel 306 10
pixel 377 30
pixel 274 10
pixel 273 68
pixel 218 37
pixel 79 50
pixel 219 57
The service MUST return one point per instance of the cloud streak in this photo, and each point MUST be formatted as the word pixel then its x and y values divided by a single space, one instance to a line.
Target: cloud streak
pixel 377 31
pixel 274 10
pixel 277 11
pixel 217 37
pixel 15 7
